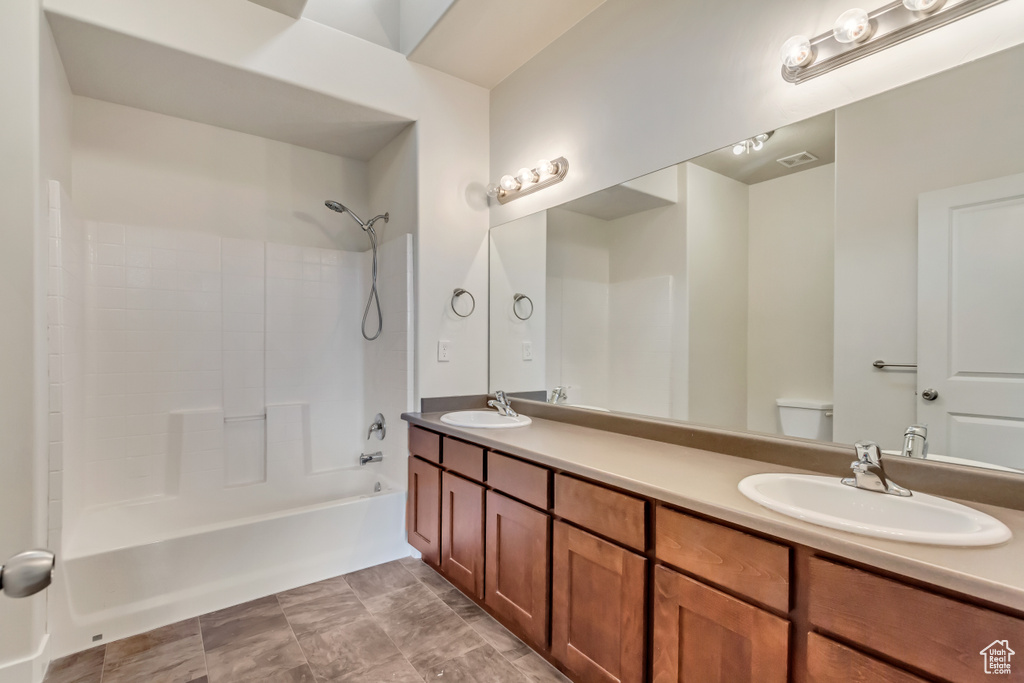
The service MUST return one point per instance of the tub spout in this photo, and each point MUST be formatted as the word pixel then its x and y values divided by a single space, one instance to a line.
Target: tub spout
pixel 370 457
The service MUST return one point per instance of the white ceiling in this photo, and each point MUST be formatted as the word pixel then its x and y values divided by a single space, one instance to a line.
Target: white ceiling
pixel 816 135
pixel 111 66
pixel 483 41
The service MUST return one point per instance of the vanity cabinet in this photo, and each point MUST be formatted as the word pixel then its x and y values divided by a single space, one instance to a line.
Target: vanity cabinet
pixel 702 634
pixel 597 615
pixel 423 510
pixel 615 587
pixel 462 534
pixel 518 567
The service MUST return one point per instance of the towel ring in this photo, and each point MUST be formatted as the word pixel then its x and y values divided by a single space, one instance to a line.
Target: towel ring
pixel 516 298
pixel 459 291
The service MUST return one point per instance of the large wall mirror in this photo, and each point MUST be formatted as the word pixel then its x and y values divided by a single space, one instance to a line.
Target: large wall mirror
pixel 758 286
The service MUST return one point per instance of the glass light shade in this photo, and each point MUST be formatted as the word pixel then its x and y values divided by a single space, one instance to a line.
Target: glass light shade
pixel 852 26
pixel 508 183
pixel 493 190
pixel 526 176
pixel 922 5
pixel 546 167
pixel 739 148
pixel 797 52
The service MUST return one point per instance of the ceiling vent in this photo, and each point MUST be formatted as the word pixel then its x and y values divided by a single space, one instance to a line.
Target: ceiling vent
pixel 798 159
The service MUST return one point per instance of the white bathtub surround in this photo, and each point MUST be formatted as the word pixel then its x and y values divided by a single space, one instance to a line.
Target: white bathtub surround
pixel 223 392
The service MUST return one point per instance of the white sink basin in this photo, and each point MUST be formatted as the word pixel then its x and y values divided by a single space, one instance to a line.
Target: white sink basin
pixel 919 518
pixel 484 419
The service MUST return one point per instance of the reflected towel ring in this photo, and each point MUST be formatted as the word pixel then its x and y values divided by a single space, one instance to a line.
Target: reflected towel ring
pixel 516 298
pixel 459 291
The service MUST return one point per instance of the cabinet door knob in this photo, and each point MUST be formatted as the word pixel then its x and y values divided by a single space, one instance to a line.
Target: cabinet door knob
pixel 929 394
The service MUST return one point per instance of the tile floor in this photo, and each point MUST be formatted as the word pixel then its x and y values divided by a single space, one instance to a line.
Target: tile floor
pixel 395 622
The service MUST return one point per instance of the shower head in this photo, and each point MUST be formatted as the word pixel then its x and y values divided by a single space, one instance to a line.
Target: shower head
pixel 341 208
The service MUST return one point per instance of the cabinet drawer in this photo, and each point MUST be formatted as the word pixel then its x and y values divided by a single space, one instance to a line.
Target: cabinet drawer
pixel 751 566
pixel 519 479
pixel 827 660
pixel 609 513
pixel 930 632
pixel 464 458
pixel 425 444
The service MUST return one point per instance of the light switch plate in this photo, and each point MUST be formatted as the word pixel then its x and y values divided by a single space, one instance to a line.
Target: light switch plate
pixel 444 351
pixel 527 350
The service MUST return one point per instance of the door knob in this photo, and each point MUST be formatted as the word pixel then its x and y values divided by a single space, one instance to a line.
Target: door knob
pixel 929 394
pixel 27 573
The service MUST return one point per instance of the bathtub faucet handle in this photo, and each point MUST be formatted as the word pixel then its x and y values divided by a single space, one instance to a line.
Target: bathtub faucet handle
pixel 379 427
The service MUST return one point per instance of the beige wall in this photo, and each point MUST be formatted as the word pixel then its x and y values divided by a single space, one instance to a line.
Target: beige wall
pixel 639 85
pixel 791 252
pixel 135 167
pixel 716 236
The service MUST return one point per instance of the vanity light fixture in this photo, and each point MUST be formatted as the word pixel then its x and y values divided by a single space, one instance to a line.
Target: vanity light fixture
pixel 527 180
pixel 858 33
pixel 755 144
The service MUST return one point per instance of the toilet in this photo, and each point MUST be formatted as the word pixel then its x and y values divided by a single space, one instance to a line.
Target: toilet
pixel 805 418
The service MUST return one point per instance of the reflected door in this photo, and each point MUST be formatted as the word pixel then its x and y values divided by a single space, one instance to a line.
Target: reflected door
pixel 970 389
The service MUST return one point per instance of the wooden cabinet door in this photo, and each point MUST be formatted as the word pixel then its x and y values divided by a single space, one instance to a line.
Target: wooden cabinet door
pixel 705 636
pixel 462 534
pixel 597 608
pixel 517 567
pixel 423 510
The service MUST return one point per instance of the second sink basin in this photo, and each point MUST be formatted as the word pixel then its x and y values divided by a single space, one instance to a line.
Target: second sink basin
pixel 484 419
pixel 919 518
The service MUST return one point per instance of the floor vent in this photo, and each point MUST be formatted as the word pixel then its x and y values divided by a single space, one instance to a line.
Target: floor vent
pixel 798 159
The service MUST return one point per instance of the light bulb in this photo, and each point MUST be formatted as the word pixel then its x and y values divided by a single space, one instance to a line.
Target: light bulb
pixel 852 26
pixel 739 148
pixel 546 167
pixel 493 190
pixel 924 6
pixel 797 52
pixel 526 176
pixel 758 145
pixel 508 183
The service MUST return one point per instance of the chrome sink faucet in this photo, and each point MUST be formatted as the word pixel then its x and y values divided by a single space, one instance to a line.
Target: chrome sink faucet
pixel 915 442
pixel 502 404
pixel 558 395
pixel 868 473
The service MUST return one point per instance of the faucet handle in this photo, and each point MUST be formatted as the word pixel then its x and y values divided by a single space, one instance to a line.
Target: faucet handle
pixel 868 453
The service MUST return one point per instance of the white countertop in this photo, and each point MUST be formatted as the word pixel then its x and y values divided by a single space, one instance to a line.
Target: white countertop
pixel 706 482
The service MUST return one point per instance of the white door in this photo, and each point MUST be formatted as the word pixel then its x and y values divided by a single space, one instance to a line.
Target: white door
pixel 970 325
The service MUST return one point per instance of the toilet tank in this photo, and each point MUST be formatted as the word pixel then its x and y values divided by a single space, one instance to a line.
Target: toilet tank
pixel 805 418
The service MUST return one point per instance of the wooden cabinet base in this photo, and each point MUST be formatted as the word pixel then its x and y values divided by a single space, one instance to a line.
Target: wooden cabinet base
pixel 518 567
pixel 462 534
pixel 423 510
pixel 702 634
pixel 597 613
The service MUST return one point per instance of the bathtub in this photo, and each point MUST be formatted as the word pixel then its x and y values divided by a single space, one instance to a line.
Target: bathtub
pixel 129 568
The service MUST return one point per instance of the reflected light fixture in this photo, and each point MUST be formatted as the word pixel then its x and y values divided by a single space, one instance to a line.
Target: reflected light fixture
pixel 526 180
pixel 858 33
pixel 754 144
